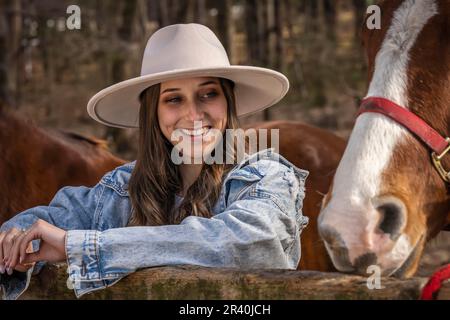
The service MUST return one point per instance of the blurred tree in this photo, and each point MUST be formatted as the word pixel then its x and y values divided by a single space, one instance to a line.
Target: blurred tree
pixel 126 31
pixel 4 92
pixel 251 26
pixel 201 12
pixel 359 9
pixel 224 23
pixel 11 61
pixel 280 18
pixel 330 7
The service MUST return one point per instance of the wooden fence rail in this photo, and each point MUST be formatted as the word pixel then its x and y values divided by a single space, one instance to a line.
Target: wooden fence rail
pixel 193 282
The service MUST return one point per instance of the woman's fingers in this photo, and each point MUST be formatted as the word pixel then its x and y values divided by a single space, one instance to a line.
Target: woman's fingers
pixel 24 249
pixel 24 242
pixel 14 262
pixel 12 250
pixel 7 244
pixel 14 255
pixel 17 250
pixel 10 261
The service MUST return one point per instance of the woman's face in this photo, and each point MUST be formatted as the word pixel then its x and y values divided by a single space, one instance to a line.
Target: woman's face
pixel 192 114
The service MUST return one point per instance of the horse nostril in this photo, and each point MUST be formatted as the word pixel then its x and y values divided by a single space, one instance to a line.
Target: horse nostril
pixel 364 261
pixel 392 218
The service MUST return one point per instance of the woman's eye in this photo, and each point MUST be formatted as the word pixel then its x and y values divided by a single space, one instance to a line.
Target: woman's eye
pixel 211 94
pixel 173 100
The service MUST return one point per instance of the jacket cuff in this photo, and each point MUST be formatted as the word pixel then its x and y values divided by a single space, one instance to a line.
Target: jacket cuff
pixel 83 265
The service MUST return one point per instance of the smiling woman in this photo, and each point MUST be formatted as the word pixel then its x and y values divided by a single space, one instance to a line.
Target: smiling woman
pixel 154 212
pixel 181 104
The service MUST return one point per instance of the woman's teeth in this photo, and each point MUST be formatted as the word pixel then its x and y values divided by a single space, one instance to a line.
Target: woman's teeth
pixel 196 132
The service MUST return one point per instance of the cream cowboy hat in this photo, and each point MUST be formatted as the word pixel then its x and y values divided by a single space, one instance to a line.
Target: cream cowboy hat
pixel 181 51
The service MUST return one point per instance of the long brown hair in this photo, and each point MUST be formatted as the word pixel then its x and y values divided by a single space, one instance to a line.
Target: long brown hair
pixel 156 179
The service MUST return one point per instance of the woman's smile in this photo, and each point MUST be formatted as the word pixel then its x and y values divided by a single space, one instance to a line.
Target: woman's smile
pixel 195 133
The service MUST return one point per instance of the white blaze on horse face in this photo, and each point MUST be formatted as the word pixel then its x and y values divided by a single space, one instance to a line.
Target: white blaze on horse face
pixel 351 210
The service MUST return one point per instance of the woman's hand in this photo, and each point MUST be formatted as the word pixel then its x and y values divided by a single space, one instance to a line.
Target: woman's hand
pixel 17 247
pixel 6 244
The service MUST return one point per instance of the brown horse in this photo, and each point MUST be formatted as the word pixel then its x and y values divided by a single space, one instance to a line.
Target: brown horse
pixel 387 199
pixel 319 152
pixel 35 163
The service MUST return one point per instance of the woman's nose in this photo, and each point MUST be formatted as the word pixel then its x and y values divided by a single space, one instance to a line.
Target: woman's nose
pixel 194 111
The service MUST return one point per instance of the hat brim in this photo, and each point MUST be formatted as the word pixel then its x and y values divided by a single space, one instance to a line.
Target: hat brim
pixel 255 89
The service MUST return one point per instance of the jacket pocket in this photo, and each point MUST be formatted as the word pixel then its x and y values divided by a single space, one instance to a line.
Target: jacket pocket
pixel 238 185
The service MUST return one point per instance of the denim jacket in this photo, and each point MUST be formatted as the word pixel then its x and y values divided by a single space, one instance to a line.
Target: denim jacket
pixel 256 223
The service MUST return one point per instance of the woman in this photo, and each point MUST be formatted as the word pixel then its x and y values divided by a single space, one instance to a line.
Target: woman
pixel 159 210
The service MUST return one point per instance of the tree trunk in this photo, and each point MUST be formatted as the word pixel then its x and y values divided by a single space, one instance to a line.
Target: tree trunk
pixel 125 33
pixel 201 11
pixel 224 25
pixel 163 13
pixel 12 31
pixel 271 40
pixel 262 33
pixel 4 89
pixel 330 7
pixel 128 20
pixel 279 27
pixel 251 26
pixel 359 9
pixel 311 16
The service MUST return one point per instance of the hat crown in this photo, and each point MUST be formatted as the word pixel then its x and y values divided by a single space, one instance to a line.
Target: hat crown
pixel 183 46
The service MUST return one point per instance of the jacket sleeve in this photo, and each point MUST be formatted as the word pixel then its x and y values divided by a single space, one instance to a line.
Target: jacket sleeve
pixel 258 228
pixel 71 208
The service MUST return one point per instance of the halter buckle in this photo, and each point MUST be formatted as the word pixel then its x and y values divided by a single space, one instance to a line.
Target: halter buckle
pixel 437 162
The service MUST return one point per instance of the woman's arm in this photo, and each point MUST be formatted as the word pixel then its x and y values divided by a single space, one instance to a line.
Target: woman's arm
pixel 71 208
pixel 258 229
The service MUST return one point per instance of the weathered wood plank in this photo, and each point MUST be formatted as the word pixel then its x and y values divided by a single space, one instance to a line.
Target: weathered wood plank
pixel 193 282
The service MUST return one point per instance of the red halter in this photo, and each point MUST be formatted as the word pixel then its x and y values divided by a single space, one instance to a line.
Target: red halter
pixel 437 143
